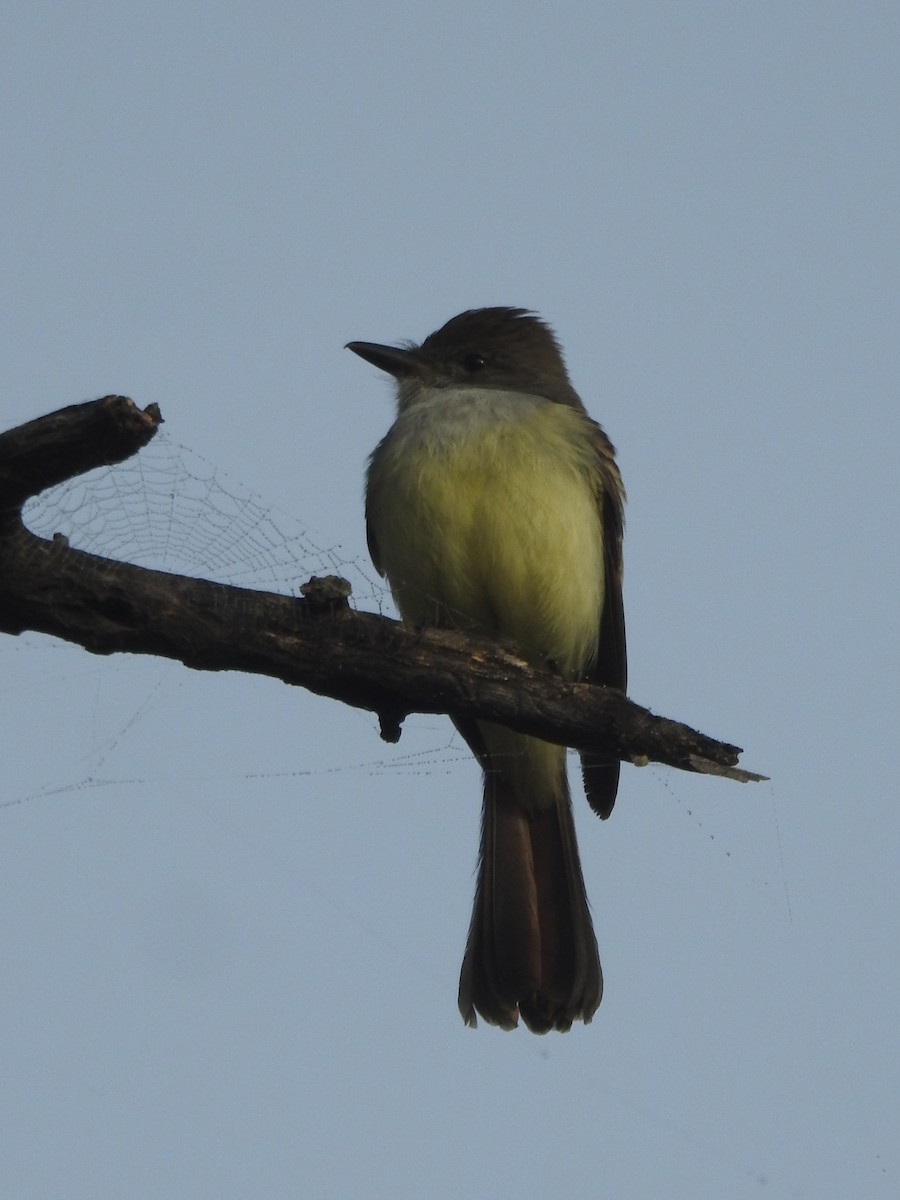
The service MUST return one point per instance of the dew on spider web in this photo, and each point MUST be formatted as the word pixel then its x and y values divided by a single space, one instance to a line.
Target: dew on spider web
pixel 168 508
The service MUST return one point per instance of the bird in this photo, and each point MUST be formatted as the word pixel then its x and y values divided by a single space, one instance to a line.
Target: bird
pixel 494 505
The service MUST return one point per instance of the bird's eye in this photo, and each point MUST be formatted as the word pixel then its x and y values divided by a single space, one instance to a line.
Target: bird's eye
pixel 473 363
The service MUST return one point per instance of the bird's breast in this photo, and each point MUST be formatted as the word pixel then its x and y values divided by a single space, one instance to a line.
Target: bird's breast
pixel 483 507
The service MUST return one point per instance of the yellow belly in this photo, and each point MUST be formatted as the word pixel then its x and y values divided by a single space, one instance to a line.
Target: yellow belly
pixel 484 516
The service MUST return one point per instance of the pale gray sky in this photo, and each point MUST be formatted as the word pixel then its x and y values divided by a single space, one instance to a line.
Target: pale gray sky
pixel 233 919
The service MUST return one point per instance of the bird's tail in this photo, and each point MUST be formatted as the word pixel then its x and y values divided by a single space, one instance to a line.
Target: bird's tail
pixel 531 948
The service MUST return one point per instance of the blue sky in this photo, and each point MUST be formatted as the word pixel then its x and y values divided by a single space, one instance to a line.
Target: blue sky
pixel 233 917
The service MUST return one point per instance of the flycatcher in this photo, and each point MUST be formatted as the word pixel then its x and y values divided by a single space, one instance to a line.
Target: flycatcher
pixel 494 504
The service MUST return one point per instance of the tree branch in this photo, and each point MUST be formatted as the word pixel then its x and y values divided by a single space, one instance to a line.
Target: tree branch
pixel 316 641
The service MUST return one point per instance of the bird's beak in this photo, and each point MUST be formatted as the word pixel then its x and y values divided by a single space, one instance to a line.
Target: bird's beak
pixel 393 359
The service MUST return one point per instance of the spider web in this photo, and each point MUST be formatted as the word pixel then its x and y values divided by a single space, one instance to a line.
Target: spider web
pixel 170 509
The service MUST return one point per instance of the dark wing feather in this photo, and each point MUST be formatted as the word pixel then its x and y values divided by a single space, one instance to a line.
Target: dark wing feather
pixel 601 774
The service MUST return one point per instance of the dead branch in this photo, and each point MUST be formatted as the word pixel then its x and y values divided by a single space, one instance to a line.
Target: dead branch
pixel 314 640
